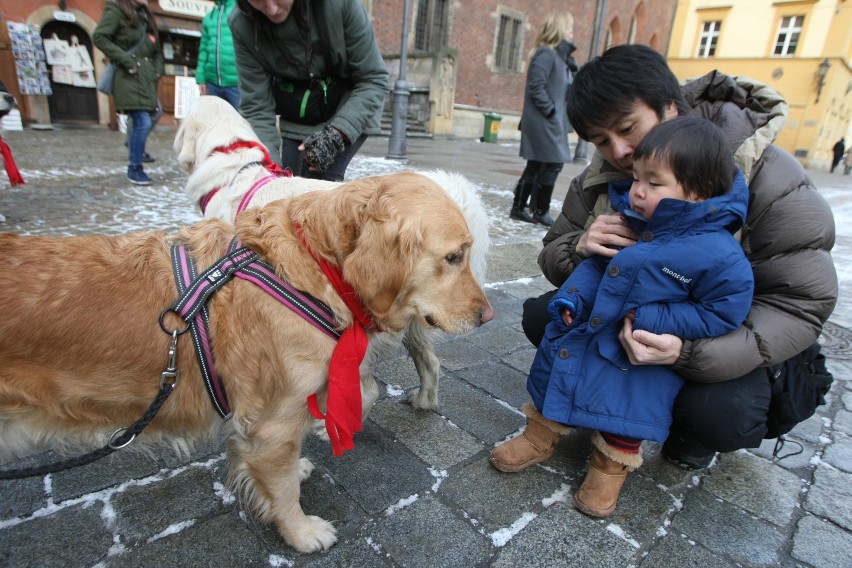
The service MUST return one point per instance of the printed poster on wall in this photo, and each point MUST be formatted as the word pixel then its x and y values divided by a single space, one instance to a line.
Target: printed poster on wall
pixel 30 64
pixel 186 91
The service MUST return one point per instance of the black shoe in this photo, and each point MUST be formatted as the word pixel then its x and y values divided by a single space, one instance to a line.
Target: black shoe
pixel 148 158
pixel 521 215
pixel 543 217
pixel 687 454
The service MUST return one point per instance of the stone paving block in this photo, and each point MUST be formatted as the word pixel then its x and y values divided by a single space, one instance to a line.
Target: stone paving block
pixel 561 536
pixel 810 430
pixel 831 495
pixel 499 380
pixel 482 416
pixel 514 260
pixel 839 452
pixel 502 300
pixel 521 360
pixel 20 497
pixel 459 354
pixel 360 552
pixel 676 551
pixel 843 422
pixel 145 511
pixel 642 508
pixel 748 481
pixel 427 533
pixel 496 499
pixel 725 529
pixel 430 436
pixel 676 480
pixel 223 541
pixel 114 469
pixel 822 544
pixel 789 456
pixel 399 372
pixel 168 458
pixel 524 288
pixel 74 536
pixel 499 341
pixel 370 473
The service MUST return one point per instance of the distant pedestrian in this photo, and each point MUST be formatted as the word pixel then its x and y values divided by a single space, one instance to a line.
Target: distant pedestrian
pixel 127 34
pixel 838 150
pixel 544 121
pixel 847 163
pixel 216 74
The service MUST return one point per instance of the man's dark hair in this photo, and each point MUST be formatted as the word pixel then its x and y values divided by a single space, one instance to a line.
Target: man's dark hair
pixel 605 88
pixel 299 11
pixel 696 151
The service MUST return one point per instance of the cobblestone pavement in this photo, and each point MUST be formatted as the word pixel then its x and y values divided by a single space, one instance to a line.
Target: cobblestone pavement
pixel 418 490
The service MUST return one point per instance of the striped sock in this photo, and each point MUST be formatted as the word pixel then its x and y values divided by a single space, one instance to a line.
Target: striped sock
pixel 622 443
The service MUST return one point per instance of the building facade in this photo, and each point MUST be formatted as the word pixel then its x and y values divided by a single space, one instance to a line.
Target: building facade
pixel 801 48
pixel 464 57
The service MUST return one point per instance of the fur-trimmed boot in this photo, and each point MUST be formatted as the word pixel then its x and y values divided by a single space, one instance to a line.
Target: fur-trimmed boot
pixel 608 469
pixel 533 446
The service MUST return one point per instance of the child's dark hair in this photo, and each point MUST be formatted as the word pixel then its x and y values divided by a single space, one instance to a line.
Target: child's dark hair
pixel 696 151
pixel 605 89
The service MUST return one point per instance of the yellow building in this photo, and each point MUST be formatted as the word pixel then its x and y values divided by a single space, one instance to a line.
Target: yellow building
pixel 802 48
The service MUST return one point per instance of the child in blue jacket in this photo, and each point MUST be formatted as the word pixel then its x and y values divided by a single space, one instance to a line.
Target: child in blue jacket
pixel 686 275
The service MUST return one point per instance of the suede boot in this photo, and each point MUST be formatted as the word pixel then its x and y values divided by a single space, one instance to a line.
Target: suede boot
pixel 608 469
pixel 519 204
pixel 534 446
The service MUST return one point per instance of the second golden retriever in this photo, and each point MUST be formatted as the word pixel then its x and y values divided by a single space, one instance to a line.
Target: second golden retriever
pixel 81 349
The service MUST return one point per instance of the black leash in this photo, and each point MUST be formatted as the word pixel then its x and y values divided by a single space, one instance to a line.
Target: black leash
pixel 121 437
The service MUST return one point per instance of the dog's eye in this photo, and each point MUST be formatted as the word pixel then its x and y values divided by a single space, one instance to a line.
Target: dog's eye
pixel 454 258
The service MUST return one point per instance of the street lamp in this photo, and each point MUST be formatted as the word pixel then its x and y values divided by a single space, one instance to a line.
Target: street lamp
pixel 822 73
pixel 401 92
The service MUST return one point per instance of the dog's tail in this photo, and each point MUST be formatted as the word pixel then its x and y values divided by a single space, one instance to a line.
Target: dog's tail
pixel 15 177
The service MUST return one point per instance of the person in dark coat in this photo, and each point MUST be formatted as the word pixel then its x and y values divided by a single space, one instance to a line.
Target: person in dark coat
pixel 544 122
pixel 838 150
pixel 124 25
pixel 729 399
pixel 686 276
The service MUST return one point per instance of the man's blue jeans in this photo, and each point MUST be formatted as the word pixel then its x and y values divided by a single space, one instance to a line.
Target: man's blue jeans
pixel 138 135
pixel 230 94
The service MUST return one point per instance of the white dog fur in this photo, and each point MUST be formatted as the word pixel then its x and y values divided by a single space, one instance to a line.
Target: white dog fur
pixel 214 124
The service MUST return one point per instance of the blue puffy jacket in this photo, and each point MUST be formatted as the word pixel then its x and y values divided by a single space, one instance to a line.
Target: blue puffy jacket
pixel 686 276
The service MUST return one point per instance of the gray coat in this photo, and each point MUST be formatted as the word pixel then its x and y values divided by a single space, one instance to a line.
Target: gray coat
pixel 788 235
pixel 544 121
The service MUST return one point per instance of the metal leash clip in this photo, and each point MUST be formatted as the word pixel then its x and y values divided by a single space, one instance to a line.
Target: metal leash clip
pixel 170 376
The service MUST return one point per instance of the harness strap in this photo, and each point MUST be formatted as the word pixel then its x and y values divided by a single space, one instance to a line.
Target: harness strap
pixel 195 290
pixel 249 195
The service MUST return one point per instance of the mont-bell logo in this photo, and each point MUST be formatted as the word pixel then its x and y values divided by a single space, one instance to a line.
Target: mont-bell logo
pixel 676 276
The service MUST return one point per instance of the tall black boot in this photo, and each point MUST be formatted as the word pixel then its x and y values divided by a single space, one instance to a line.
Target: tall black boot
pixel 541 205
pixel 519 204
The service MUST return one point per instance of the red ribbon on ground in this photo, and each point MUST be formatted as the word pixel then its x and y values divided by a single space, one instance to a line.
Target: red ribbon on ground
pixel 15 177
pixel 343 407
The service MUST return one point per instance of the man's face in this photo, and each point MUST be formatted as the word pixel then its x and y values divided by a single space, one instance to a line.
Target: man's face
pixel 276 10
pixel 617 141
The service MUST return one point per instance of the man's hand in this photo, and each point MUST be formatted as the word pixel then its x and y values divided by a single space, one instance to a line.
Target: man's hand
pixel 646 348
pixel 321 148
pixel 606 233
pixel 202 89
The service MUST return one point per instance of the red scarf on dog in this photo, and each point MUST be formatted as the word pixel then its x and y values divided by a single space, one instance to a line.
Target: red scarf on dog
pixel 343 407
pixel 15 177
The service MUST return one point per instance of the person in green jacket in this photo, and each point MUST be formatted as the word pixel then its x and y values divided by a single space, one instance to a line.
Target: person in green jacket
pixel 316 65
pixel 127 34
pixel 216 74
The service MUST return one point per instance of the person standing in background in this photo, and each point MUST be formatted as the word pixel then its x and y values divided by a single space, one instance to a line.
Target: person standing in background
pixel 124 25
pixel 216 74
pixel 544 122
pixel 316 65
pixel 838 150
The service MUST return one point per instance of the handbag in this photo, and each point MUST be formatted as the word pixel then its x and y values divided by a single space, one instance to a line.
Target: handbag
pixel 107 80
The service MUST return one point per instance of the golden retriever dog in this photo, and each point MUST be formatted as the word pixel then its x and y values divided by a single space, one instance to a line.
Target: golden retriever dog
pixel 82 350
pixel 224 179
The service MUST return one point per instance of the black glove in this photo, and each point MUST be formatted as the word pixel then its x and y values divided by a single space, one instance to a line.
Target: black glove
pixel 321 148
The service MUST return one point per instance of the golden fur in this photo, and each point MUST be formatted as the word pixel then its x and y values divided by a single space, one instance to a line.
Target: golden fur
pixel 81 350
pixel 214 124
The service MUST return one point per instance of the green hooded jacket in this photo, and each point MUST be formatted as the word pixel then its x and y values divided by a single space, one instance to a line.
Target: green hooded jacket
pixel 216 62
pixel 265 50
pixel 114 36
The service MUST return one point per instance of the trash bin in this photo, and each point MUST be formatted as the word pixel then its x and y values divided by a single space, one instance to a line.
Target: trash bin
pixel 492 127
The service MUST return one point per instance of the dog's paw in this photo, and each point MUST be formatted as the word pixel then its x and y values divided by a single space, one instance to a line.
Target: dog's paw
pixel 423 399
pixel 311 534
pixel 318 428
pixel 306 467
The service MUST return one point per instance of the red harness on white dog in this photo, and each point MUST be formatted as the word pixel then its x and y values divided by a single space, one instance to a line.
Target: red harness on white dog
pixel 275 171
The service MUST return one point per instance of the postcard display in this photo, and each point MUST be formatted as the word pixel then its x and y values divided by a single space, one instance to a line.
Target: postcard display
pixel 30 64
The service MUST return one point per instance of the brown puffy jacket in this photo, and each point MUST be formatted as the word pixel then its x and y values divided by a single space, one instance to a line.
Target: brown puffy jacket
pixel 787 237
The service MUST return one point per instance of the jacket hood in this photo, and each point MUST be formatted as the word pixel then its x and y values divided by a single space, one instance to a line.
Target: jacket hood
pixel 726 211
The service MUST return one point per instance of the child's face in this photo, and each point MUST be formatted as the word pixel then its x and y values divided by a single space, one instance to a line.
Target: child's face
pixel 653 180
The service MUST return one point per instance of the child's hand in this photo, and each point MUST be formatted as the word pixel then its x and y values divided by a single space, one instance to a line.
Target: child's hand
pixel 567 317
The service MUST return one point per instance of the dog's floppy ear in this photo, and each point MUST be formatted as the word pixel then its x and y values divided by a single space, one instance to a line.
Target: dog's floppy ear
pixel 184 146
pixel 384 254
